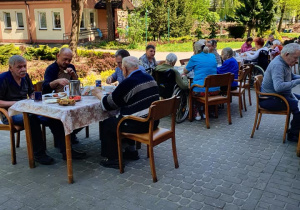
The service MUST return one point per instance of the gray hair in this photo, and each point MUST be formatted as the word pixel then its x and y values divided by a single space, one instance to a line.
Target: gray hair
pixel 271 35
pixel 16 59
pixel 171 58
pixel 276 42
pixel 65 50
pixel 130 62
pixel 228 52
pixel 290 48
pixel 198 46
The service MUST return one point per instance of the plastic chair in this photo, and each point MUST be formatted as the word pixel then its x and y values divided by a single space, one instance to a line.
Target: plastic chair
pixel 212 81
pixel 158 109
pixel 12 129
pixel 260 111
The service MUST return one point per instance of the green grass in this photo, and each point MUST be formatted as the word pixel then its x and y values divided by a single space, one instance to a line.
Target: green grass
pixel 290 35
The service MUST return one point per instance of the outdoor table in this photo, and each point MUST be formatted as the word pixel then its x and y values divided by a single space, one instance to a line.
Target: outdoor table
pixel 83 113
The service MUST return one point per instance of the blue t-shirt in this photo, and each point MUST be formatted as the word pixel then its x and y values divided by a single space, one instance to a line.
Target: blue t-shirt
pixel 230 66
pixel 203 64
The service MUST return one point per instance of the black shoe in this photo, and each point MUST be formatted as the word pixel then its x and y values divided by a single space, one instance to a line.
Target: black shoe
pixel 110 163
pixel 74 139
pixel 75 155
pixel 292 137
pixel 131 155
pixel 44 159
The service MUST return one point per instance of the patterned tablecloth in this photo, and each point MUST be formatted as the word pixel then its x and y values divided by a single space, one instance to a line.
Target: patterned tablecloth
pixel 83 113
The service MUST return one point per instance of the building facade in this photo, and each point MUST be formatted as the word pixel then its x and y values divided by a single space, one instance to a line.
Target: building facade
pixel 50 21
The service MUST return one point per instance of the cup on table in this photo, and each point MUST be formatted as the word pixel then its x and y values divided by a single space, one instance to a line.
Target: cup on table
pixel 37 96
pixel 67 90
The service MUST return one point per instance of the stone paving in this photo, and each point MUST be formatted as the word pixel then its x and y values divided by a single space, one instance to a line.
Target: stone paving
pixel 219 168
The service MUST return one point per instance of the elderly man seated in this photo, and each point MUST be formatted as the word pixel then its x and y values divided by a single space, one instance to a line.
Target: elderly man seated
pixel 148 60
pixel 171 60
pixel 230 65
pixel 15 85
pixel 212 46
pixel 133 96
pixel 279 79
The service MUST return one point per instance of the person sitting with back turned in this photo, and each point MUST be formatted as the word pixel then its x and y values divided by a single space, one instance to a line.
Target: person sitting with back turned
pixel 15 85
pixel 118 74
pixel 57 75
pixel 171 60
pixel 279 79
pixel 133 96
pixel 148 60
pixel 270 41
pixel 230 65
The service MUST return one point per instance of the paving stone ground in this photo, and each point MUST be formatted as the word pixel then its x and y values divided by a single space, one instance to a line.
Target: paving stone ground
pixel 219 168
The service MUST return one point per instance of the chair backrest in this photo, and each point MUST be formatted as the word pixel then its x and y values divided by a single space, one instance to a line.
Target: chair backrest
pixel 249 73
pixel 39 85
pixel 263 59
pixel 218 80
pixel 166 82
pixel 162 108
pixel 183 61
pixel 258 83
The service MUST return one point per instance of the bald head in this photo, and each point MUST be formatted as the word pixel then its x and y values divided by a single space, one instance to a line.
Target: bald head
pixel 64 57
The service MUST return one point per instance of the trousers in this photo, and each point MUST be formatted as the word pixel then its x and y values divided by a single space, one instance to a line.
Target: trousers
pixel 108 134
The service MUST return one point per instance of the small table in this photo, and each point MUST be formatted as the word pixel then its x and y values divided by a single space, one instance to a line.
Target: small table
pixel 83 113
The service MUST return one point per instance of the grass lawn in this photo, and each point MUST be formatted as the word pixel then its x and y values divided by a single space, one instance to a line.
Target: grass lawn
pixel 187 47
pixel 290 35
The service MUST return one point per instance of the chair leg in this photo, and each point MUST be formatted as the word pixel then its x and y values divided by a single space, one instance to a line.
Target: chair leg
pixel 190 109
pixel 174 152
pixel 44 136
pixel 120 154
pixel 87 132
pixel 207 116
pixel 249 95
pixel 216 111
pixel 286 127
pixel 244 98
pixel 255 122
pixel 152 164
pixel 13 148
pixel 259 121
pixel 229 113
pixel 240 106
pixel 18 139
pixel 99 130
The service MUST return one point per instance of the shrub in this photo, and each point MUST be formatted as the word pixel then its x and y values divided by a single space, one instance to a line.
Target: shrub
pixel 104 64
pixel 82 70
pixel 37 74
pixel 237 31
pixel 6 51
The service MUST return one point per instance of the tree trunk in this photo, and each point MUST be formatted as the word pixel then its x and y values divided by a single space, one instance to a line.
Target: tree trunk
pixel 110 21
pixel 77 8
pixel 282 11
pixel 249 31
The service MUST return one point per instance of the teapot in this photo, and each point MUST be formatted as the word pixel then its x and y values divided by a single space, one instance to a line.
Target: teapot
pixel 74 88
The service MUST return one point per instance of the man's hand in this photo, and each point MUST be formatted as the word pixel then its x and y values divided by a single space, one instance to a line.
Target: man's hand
pixel 71 72
pixel 97 92
pixel 62 82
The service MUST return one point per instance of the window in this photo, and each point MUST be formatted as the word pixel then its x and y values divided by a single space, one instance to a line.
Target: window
pixel 82 26
pixel 20 22
pixel 56 20
pixel 42 20
pixel 7 20
pixel 92 20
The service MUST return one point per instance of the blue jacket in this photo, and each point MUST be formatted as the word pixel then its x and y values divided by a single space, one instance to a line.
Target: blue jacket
pixel 230 66
pixel 203 64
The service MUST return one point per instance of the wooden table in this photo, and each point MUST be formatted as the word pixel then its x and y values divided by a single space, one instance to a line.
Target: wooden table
pixel 83 113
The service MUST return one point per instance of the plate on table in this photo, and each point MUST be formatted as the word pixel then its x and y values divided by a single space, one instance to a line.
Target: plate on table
pixel 50 96
pixel 50 101
pixel 76 98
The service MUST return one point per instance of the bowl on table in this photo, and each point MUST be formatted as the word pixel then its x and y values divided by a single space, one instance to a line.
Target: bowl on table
pixel 108 88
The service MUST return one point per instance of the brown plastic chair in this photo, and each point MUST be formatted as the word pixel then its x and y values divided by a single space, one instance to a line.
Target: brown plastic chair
pixel 260 111
pixel 39 87
pixel 240 91
pixel 183 61
pixel 158 109
pixel 12 129
pixel 212 81
pixel 248 82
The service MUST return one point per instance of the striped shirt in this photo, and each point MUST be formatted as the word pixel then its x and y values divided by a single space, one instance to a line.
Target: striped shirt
pixel 133 96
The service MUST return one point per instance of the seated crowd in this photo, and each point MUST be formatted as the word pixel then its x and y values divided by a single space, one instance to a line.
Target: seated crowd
pixel 137 90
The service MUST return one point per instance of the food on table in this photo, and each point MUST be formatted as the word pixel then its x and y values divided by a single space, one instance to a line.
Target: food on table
pixel 76 98
pixel 55 95
pixel 66 101
pixel 51 101
pixel 62 94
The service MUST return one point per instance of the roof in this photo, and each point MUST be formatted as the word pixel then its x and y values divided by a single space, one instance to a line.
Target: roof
pixel 124 4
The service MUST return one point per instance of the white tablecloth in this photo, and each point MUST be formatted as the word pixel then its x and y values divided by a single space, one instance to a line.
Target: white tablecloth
pixel 83 113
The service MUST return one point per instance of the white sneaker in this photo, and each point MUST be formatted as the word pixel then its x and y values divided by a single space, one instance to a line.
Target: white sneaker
pixel 198 118
pixel 203 117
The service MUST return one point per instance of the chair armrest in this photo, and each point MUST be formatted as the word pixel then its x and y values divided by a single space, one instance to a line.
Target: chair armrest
pixel 200 86
pixel 5 113
pixel 130 117
pixel 278 96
